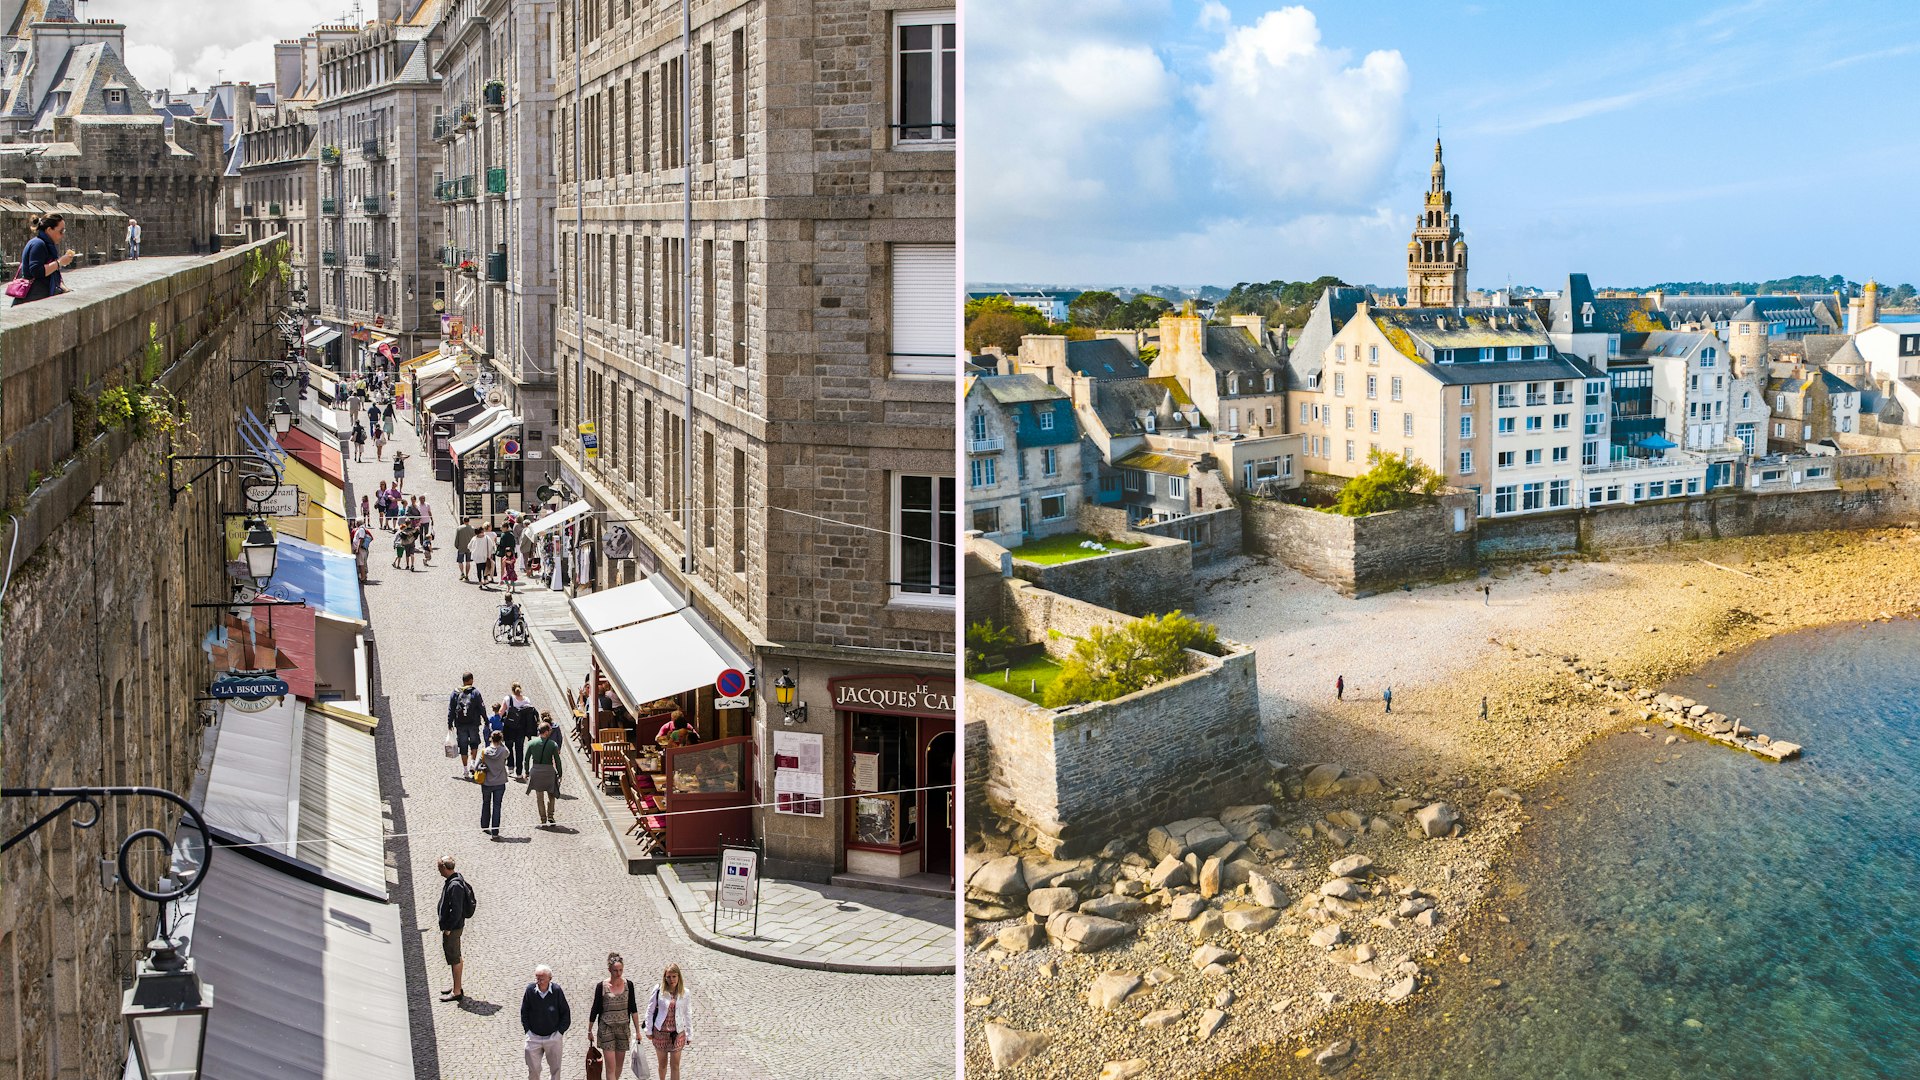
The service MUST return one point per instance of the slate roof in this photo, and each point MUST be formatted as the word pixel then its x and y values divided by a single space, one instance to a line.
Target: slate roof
pixel 1558 365
pixel 1330 314
pixel 1793 312
pixel 1103 358
pixel 1668 343
pixel 1234 348
pixel 85 75
pixel 1457 328
pixel 1611 314
pixel 1159 461
pixel 1020 389
pixel 1800 384
pixel 1816 349
pixel 1117 402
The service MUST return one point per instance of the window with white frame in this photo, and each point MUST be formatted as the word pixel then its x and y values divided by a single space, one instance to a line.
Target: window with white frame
pixel 1504 459
pixel 1373 355
pixel 1406 425
pixel 1590 454
pixel 1049 462
pixel 1561 421
pixel 1349 418
pixel 1466 461
pixel 924 510
pixel 1373 420
pixel 1532 495
pixel 1373 386
pixel 1533 457
pixel 1534 423
pixel 1559 494
pixel 1339 384
pixel 1350 449
pixel 1503 425
pixel 1466 426
pixel 980 472
pixel 1053 507
pixel 1561 453
pixel 1395 387
pixel 1503 499
pixel 1177 486
pixel 1045 419
pixel 924 323
pixel 1339 354
pixel 926 98
pixel 1466 395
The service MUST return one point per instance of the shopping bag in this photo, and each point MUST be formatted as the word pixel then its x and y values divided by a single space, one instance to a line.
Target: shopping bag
pixel 593 1062
pixel 452 751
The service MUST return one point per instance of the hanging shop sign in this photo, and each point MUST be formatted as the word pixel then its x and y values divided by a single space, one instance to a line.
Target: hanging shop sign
pixel 799 773
pixel 619 542
pixel 248 686
pixel 589 440
pixel 911 695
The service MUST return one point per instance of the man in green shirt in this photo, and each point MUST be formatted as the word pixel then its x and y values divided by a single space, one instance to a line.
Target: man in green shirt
pixel 462 537
pixel 543 770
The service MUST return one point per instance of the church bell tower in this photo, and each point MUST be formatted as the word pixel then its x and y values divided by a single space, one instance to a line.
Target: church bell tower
pixel 1436 256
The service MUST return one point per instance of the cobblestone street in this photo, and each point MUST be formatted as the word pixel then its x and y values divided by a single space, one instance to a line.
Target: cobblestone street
pixel 561 896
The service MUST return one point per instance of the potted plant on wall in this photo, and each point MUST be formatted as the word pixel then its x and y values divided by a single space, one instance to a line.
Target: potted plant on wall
pixel 466 267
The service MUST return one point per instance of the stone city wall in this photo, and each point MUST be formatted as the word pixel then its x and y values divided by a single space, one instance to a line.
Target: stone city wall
pixel 1151 580
pixel 100 650
pixel 96 226
pixel 1075 778
pixel 1214 534
pixel 171 183
pixel 1362 556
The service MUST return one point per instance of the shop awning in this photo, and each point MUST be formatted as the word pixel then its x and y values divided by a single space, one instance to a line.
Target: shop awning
pixel 290 626
pixel 662 657
pixel 558 518
pixel 624 605
pixel 421 359
pixel 324 578
pixel 316 455
pixel 325 521
pixel 483 432
pixel 310 983
pixel 454 403
pixel 320 336
pixel 433 369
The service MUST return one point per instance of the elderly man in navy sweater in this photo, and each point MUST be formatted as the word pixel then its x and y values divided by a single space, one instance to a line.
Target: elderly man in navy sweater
pixel 546 1018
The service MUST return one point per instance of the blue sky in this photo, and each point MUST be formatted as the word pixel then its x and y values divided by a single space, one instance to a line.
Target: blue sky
pixel 1194 141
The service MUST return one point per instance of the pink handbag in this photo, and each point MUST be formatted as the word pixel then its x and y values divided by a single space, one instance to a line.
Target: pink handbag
pixel 17 288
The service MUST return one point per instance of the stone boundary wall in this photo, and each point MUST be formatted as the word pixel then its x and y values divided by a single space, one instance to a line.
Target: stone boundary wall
pixel 1877 436
pixel 1151 580
pixel 96 226
pixel 1077 777
pixel 1214 534
pixel 1362 556
pixel 1874 490
pixel 99 648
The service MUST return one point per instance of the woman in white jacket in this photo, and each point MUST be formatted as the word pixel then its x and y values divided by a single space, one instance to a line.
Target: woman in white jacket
pixel 668 1019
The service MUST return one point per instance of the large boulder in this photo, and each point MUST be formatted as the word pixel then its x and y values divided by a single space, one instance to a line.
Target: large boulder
pixel 1201 835
pixel 1079 933
pixel 1253 920
pixel 1011 1046
pixel 1362 783
pixel 1045 902
pixel 1112 907
pixel 1341 889
pixel 1170 874
pixel 1436 819
pixel 999 881
pixel 1021 937
pixel 1266 892
pixel 1320 780
pixel 1111 988
pixel 1352 866
pixel 1186 906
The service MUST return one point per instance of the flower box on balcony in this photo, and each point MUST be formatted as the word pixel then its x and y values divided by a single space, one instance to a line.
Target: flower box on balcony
pixel 496 95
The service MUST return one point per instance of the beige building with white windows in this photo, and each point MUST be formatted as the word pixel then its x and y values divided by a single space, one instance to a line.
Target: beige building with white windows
pixel 1236 374
pixel 770 392
pixel 1478 394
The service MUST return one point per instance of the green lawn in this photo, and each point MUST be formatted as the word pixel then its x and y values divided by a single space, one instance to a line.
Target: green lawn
pixel 1028 679
pixel 1054 550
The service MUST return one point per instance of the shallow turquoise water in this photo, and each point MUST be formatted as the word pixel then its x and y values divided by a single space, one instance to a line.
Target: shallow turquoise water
pixel 1776 906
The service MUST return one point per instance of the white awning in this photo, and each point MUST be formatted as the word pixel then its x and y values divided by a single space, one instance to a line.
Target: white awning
pixel 625 605
pixel 443 365
pixel 558 518
pixel 321 336
pixel 480 433
pixel 662 657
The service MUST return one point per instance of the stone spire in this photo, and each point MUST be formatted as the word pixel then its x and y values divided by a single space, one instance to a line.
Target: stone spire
pixel 1437 256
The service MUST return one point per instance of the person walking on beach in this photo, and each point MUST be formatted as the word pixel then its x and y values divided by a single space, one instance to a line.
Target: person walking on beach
pixel 462 541
pixel 457 903
pixel 613 1020
pixel 543 769
pixel 1483 709
pixel 1486 593
pixel 668 1021
pixel 545 1017
pixel 493 786
pixel 1339 688
pixel 1387 696
pixel 466 712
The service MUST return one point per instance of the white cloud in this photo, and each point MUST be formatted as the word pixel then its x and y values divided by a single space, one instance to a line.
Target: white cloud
pixel 1215 16
pixel 195 43
pixel 1294 120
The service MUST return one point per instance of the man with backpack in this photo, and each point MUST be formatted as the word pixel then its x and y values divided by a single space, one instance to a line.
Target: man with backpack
pixel 457 904
pixel 466 714
pixel 362 546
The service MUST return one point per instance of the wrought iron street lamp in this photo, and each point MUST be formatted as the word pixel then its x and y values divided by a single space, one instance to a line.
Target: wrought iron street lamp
pixel 783 693
pixel 261 550
pixel 282 416
pixel 166 1014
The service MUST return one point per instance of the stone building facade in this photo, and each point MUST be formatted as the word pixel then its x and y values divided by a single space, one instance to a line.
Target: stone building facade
pixel 774 389
pixel 495 187
pixel 169 183
pixel 100 650
pixel 96 226
pixel 377 101
pixel 279 183
pixel 1437 256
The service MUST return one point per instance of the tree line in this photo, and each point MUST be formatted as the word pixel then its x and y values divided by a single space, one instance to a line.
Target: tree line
pixel 995 321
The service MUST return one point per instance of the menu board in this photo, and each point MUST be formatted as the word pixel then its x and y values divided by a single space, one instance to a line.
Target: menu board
pixel 799 774
pixel 866 772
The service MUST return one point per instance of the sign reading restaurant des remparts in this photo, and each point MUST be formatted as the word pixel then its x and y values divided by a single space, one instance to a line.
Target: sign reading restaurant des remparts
pixel 911 695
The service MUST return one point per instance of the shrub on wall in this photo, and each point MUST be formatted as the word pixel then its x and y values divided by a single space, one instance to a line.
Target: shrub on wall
pixel 1111 663
pixel 1390 483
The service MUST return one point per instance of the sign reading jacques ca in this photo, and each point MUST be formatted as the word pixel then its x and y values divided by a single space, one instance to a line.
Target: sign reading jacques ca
pixel 914 695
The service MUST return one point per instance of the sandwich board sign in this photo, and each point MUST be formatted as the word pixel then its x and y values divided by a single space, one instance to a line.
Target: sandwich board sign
pixel 738 887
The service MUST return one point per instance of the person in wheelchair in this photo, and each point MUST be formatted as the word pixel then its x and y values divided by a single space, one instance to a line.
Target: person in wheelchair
pixel 512 624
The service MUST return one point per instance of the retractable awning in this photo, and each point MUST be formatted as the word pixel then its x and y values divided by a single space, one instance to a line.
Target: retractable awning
pixel 320 336
pixel 433 369
pixel 326 579
pixel 558 518
pixel 454 403
pixel 662 657
pixel 625 605
pixel 424 357
pixel 479 434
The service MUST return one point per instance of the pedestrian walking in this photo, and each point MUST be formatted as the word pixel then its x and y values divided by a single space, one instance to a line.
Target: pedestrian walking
pixel 359 442
pixel 1339 688
pixel 613 1020
pixel 399 459
pixel 668 1021
pixel 493 783
pixel 1486 593
pixel 366 509
pixel 379 441
pixel 519 716
pixel 545 1017
pixel 543 769
pixel 457 904
pixel 423 516
pixel 1387 696
pixel 362 547
pixel 462 543
pixel 466 712
pixel 402 542
pixel 1483 710
pixel 481 549
pixel 386 417
pixel 509 569
pixel 410 540
pixel 41 261
pixel 133 239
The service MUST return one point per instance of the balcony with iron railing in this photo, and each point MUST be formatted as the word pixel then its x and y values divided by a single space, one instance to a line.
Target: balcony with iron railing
pixel 443 126
pixel 329 155
pixel 329 206
pixel 495 95
pixel 371 259
pixel 372 205
pixel 329 258
pixel 373 149
pixel 496 181
pixel 454 190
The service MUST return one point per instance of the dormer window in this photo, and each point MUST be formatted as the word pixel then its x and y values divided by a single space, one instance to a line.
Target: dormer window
pixel 1269 382
pixel 116 97
pixel 1233 384
pixel 1586 314
pixel 1146 422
